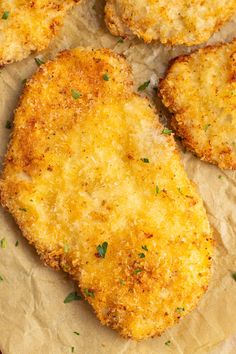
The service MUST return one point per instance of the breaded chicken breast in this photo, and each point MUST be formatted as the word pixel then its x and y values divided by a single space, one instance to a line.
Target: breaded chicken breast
pixel 169 21
pixel 27 26
pixel 200 90
pixel 95 183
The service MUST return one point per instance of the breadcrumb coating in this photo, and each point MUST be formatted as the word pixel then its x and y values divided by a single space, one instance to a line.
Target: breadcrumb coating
pixel 171 22
pixel 200 90
pixel 98 188
pixel 27 26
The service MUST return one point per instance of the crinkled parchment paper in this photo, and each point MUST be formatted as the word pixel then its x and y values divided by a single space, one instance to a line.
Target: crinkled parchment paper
pixel 33 317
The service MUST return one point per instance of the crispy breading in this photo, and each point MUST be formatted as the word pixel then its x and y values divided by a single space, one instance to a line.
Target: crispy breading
pixel 200 90
pixel 169 21
pixel 27 26
pixel 88 163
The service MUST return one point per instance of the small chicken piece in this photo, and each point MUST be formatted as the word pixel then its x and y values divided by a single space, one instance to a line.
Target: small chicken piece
pixel 27 26
pixel 171 22
pixel 200 90
pixel 96 185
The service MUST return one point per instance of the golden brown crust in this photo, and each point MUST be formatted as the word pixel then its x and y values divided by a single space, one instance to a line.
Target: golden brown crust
pixel 173 22
pixel 199 90
pixel 114 22
pixel 80 179
pixel 29 26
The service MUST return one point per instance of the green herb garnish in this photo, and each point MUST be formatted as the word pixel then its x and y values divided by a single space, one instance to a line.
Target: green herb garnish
pixel 122 282
pixel 180 191
pixel 145 248
pixel 180 309
pixel 138 270
pixel 106 77
pixel 144 86
pixel 102 249
pixel 121 40
pixel 72 297
pixel 234 276
pixel 1 278
pixel 145 160
pixel 5 15
pixel 168 343
pixel 17 243
pixel 39 61
pixel 72 349
pixel 75 94
pixel 23 209
pixel 167 131
pixel 141 255
pixel 155 89
pixel 77 333
pixel 8 124
pixel 3 243
pixel 157 190
pixel 206 126
pixel 89 293
pixel 66 248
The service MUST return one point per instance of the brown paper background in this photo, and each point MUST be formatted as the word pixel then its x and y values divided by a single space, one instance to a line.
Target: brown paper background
pixel 33 317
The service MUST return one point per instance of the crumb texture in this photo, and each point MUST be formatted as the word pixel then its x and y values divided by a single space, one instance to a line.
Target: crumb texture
pixel 27 26
pixel 88 163
pixel 200 90
pixel 172 22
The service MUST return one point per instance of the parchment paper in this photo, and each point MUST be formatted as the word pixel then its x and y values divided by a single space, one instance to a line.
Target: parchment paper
pixel 33 317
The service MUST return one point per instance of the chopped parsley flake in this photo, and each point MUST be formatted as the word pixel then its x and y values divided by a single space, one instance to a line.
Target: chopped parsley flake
pixel 39 61
pixel 24 81
pixel 8 124
pixel 145 248
pixel 75 94
pixel 122 282
pixel 77 333
pixel 1 278
pixel 72 349
pixel 5 15
pixel 66 248
pixel 234 276
pixel 167 131
pixel 180 191
pixel 23 209
pixel 144 86
pixel 138 270
pixel 72 297
pixel 106 77
pixel 206 126
pixel 141 255
pixel 219 176
pixel 180 309
pixel 145 160
pixel 157 190
pixel 102 249
pixel 168 343
pixel 121 40
pixel 89 293
pixel 155 89
pixel 3 243
pixel 17 243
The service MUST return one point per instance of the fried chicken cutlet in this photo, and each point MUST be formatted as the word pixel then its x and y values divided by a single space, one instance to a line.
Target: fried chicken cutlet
pixel 27 26
pixel 95 183
pixel 171 22
pixel 200 90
